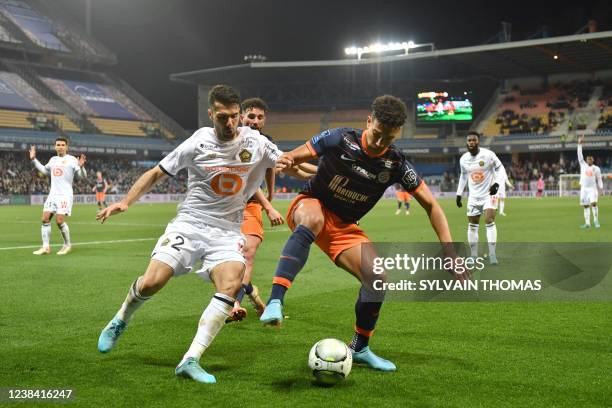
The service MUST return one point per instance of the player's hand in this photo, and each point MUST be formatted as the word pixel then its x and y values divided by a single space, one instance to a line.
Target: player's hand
pixel 32 152
pixel 111 210
pixel 581 139
pixel 493 189
pixel 275 217
pixel 82 160
pixel 458 201
pixel 284 162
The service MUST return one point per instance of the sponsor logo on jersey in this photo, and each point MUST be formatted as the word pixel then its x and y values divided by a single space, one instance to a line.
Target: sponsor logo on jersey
pixel 338 184
pixel 384 176
pixel 245 156
pixel 165 242
pixel 58 171
pixel 226 169
pixel 346 158
pixel 363 172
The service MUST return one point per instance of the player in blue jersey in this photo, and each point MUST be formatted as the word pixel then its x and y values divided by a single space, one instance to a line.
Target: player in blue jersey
pixel 355 168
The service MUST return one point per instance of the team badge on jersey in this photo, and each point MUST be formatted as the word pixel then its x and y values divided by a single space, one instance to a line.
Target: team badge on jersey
pixel 384 176
pixel 245 156
pixel 387 163
pixel 166 242
pixel 481 163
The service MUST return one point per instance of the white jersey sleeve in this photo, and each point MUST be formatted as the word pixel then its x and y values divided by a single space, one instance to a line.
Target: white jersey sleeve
pixel 463 178
pixel 181 157
pixel 270 154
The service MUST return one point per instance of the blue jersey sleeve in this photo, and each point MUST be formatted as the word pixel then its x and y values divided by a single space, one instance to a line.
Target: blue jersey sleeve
pixel 408 177
pixel 326 140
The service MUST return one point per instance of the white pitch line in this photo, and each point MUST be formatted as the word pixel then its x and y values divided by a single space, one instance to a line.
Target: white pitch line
pixel 116 241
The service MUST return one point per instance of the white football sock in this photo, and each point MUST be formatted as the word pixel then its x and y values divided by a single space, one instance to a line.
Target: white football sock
pixel 132 302
pixel 45 232
pixel 472 236
pixel 587 216
pixel 492 237
pixel 595 214
pixel 502 204
pixel 211 322
pixel 65 233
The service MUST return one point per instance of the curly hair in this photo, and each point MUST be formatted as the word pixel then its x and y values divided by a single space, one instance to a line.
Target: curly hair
pixel 256 103
pixel 223 94
pixel 389 111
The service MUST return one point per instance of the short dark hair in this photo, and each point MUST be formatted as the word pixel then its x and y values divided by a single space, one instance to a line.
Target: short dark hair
pixel 389 111
pixel 473 133
pixel 256 103
pixel 223 94
pixel 61 139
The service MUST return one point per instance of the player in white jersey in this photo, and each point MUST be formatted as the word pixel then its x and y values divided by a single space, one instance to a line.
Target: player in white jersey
pixel 501 194
pixel 62 169
pixel 481 171
pixel 226 165
pixel 590 186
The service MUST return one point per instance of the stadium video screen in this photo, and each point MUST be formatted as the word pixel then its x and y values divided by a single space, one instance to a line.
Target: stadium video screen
pixel 442 106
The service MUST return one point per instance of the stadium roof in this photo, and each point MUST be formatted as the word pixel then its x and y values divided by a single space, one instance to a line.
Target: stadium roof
pixel 576 53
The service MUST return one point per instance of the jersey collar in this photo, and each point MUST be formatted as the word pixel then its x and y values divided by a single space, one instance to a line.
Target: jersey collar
pixel 364 146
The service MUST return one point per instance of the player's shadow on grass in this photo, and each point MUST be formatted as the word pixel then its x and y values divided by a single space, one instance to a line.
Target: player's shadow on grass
pixel 302 383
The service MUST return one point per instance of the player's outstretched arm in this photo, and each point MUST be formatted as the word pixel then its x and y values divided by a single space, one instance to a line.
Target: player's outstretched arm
pixel 437 218
pixel 37 164
pixel 143 185
pixel 81 172
pixel 273 215
pixel 270 183
pixel 438 221
pixel 579 150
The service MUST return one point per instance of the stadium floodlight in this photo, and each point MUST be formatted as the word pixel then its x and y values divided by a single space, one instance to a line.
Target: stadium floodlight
pixel 379 48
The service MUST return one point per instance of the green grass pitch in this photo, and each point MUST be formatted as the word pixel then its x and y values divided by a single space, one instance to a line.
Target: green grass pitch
pixel 448 354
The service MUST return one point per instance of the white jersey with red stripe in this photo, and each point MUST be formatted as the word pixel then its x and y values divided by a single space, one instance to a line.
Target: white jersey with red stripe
pixel 222 174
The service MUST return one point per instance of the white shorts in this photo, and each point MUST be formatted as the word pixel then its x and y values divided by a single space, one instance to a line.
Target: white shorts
pixel 58 204
pixel 184 244
pixel 477 206
pixel 501 193
pixel 588 196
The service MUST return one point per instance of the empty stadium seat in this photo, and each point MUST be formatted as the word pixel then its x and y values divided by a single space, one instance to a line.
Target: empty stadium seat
pixel 118 127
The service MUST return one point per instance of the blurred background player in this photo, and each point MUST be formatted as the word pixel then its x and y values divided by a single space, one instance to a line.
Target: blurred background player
pixel 226 164
pixel 403 197
pixel 254 116
pixel 100 189
pixel 590 185
pixel 355 169
pixel 540 187
pixel 62 168
pixel 482 171
pixel 501 194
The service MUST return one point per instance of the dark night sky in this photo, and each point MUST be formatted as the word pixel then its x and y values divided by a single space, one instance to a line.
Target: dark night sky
pixel 154 38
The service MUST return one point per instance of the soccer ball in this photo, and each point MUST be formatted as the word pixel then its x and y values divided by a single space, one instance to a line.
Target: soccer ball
pixel 330 361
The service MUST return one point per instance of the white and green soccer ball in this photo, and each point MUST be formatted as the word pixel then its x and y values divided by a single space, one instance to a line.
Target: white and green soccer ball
pixel 330 361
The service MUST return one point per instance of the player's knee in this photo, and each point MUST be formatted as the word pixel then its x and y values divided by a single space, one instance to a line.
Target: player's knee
pixel 314 222
pixel 249 252
pixel 231 286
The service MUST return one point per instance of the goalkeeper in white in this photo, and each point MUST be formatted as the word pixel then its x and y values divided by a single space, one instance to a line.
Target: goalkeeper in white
pixel 590 186
pixel 483 173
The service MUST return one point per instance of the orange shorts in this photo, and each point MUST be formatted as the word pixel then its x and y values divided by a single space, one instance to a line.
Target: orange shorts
pixel 336 236
pixel 100 196
pixel 403 196
pixel 253 222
